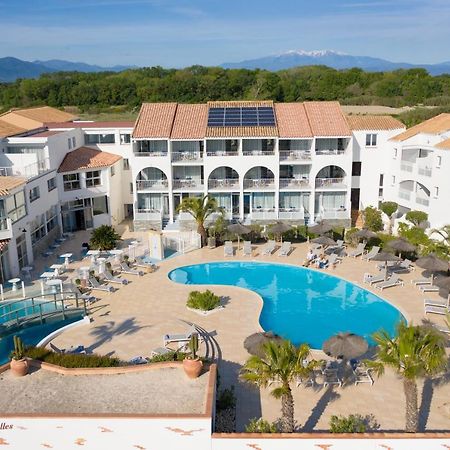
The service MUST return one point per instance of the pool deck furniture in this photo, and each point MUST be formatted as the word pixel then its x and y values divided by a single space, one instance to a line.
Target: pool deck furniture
pixel 438 303
pixel 148 266
pixel 428 288
pixel 58 268
pixel 95 285
pixel 228 249
pixel 362 374
pixel 138 360
pixel 14 282
pixel 112 279
pixel 394 280
pixel 75 291
pixel 358 251
pixel 47 275
pixel 26 270
pixel 375 279
pixel 330 377
pixel 247 249
pixel 422 281
pixel 285 249
pixel 442 329
pixel 181 339
pixel 369 255
pixel 53 283
pixel 158 351
pixel 268 248
pixel 66 257
pixel 441 310
pixel 333 260
pixel 125 268
pixel 79 349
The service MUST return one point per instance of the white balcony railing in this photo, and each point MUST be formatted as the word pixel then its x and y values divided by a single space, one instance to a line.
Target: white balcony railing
pixel 5 228
pixel 187 156
pixel 423 166
pixel 422 201
pixel 406 166
pixel 258 152
pixel 338 213
pixel 263 214
pixel 330 183
pixel 291 214
pixel 150 214
pixel 259 183
pixel 295 155
pixel 425 170
pixel 151 153
pixel 152 185
pixel 188 184
pixel 294 183
pixel 222 153
pixel 27 171
pixel 404 194
pixel 225 183
pixel 330 151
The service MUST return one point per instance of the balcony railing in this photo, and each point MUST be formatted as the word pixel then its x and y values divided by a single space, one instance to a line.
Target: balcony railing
pixel 291 214
pixel 295 155
pixel 150 153
pixel 404 194
pixel 225 183
pixel 187 156
pixel 258 152
pixel 222 153
pixel 422 165
pixel 330 183
pixel 152 185
pixel 339 213
pixel 151 214
pixel 263 214
pixel 259 183
pixel 330 151
pixel 294 183
pixel 27 171
pixel 5 228
pixel 188 184
pixel 422 201
pixel 425 170
pixel 406 166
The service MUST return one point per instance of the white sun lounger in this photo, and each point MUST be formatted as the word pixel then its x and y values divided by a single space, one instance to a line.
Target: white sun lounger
pixel 362 375
pixel 368 256
pixel 394 280
pixel 376 279
pixel 100 287
pixel 358 251
pixel 330 377
pixel 139 262
pixel 333 260
pixel 442 329
pixel 181 339
pixel 285 249
pixel 75 290
pixel 442 310
pixel 125 268
pixel 228 249
pixel 437 303
pixel 268 248
pixel 428 288
pixel 422 281
pixel 247 250
pixel 112 279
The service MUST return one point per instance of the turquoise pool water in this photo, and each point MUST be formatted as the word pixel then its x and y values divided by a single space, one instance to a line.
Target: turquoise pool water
pixel 301 305
pixel 12 310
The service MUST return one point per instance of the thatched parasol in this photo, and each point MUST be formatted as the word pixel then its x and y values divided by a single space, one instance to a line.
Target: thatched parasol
pixel 386 257
pixel 239 230
pixel 433 264
pixel 324 241
pixel 320 228
pixel 345 345
pixel 401 245
pixel 279 228
pixel 443 283
pixel 254 343
pixel 365 234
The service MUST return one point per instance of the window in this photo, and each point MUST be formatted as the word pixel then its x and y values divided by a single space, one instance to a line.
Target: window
pixel 92 139
pixel 395 153
pixel 74 142
pixel 34 194
pixel 356 169
pixel 71 181
pixel 380 192
pixel 393 179
pixel 100 205
pixel 131 188
pixel 371 140
pixel 21 246
pixel 125 138
pixel 381 179
pixel 438 161
pixel 126 164
pixel 51 184
pixel 69 143
pixel 112 171
pixel 15 206
pixel 93 178
pixel 436 192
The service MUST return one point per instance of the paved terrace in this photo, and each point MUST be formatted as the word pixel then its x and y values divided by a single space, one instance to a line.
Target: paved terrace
pixel 133 320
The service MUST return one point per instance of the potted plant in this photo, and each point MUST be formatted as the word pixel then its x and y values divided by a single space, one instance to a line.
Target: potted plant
pixel 192 364
pixel 19 364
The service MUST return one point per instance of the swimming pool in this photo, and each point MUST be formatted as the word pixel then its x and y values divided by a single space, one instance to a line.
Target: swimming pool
pixel 300 304
pixel 10 310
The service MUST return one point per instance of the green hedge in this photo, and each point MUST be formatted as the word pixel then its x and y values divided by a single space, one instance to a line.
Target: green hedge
pixel 205 301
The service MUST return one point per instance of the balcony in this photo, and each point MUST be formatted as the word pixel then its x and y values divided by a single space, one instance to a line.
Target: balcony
pixel 258 152
pixel 339 213
pixel 330 151
pixel 150 214
pixel 263 214
pixel 225 184
pixel 5 228
pixel 28 170
pixel 295 155
pixel 330 183
pixel 222 153
pixel 187 156
pixel 424 201
pixel 422 166
pixel 188 184
pixel 259 183
pixel 150 153
pixel 404 194
pixel 294 183
pixel 152 185
pixel 291 214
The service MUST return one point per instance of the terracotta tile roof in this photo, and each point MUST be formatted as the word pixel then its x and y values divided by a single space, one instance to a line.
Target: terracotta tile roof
pixel 445 145
pixel 87 158
pixel 292 120
pixel 240 103
pixel 7 184
pixel 155 120
pixel 190 122
pixel 8 129
pixel 241 132
pixel 3 244
pixel 373 122
pixel 327 119
pixel 110 124
pixel 435 125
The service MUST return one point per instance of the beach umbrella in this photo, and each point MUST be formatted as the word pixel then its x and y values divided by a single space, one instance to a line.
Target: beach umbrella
pixel 279 228
pixel 443 283
pixel 345 345
pixel 239 230
pixel 320 228
pixel 365 234
pixel 386 257
pixel 433 264
pixel 401 245
pixel 324 241
pixel 253 343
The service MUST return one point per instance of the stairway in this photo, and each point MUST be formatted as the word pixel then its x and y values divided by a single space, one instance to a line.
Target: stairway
pixel 167 226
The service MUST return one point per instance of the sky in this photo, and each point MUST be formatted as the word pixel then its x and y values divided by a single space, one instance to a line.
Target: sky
pixel 179 33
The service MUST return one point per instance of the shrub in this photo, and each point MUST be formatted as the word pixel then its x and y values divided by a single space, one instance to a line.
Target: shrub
pixel 171 356
pixel 69 360
pixel 389 208
pixel 372 219
pixel 350 236
pixel 354 423
pixel 261 426
pixel 415 235
pixel 417 218
pixel 226 399
pixel 205 301
pixel 104 238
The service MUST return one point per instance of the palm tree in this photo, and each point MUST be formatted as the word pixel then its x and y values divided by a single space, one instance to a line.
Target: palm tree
pixel 282 362
pixel 416 352
pixel 200 208
pixel 444 232
pixel 104 237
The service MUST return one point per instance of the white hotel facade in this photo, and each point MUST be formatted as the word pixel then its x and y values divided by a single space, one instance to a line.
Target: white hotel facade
pixel 262 161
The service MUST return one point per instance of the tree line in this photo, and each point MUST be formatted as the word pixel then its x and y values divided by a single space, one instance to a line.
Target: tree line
pixel 199 84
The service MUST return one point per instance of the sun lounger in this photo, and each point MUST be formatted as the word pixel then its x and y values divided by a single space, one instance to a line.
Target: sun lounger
pixel 247 250
pixel 181 339
pixel 422 281
pixel 340 243
pixel 437 303
pixel 228 249
pixel 369 255
pixel 428 288
pixel 72 350
pixel 268 248
pixel 75 290
pixel 285 249
pixel 358 251
pixel 112 279
pixel 333 260
pixel 376 279
pixel 442 329
pixel 394 280
pixel 137 360
pixel 330 377
pixel 442 310
pixel 362 375
pixel 401 266
pixel 139 262
pixel 125 268
pixel 159 351
pixel 100 287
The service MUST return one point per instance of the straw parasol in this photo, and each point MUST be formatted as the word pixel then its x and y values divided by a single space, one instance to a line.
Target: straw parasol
pixel 239 230
pixel 324 241
pixel 401 245
pixel 320 228
pixel 279 228
pixel 365 234
pixel 345 345
pixel 432 263
pixel 386 257
pixel 254 343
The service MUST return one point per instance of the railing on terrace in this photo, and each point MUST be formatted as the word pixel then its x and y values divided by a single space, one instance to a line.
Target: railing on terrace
pixel 222 153
pixel 295 155
pixel 291 214
pixel 264 214
pixel 404 194
pixel 144 185
pixel 422 201
pixel 188 184
pixel 150 153
pixel 5 228
pixel 337 213
pixel 187 156
pixel 406 166
pixel 324 183
pixel 425 170
pixel 330 151
pixel 256 183
pixel 258 152
pixel 294 183
pixel 151 214
pixel 225 183
pixel 27 171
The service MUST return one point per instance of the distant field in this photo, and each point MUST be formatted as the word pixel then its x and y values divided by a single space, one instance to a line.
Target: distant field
pixel 379 109
pixel 110 116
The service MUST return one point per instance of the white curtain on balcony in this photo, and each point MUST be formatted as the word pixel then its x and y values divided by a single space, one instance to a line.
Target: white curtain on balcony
pixel 186 146
pixel 150 201
pixel 224 201
pixel 263 200
pixel 294 200
pixel 333 201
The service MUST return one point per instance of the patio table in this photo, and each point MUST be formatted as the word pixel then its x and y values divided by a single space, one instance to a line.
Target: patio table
pixel 14 282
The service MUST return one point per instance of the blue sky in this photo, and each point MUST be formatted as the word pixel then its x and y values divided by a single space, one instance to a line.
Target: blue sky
pixel 176 33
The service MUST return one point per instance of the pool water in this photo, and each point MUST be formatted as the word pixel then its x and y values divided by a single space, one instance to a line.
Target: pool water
pixel 12 310
pixel 302 305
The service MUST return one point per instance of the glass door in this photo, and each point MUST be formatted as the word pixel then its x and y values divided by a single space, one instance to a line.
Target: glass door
pixel 166 209
pixel 247 204
pixel 88 220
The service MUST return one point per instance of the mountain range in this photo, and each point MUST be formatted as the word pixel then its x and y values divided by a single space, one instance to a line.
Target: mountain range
pixel 330 58
pixel 12 68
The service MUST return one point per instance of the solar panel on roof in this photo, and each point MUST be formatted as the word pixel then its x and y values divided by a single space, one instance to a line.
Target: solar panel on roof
pixel 246 116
